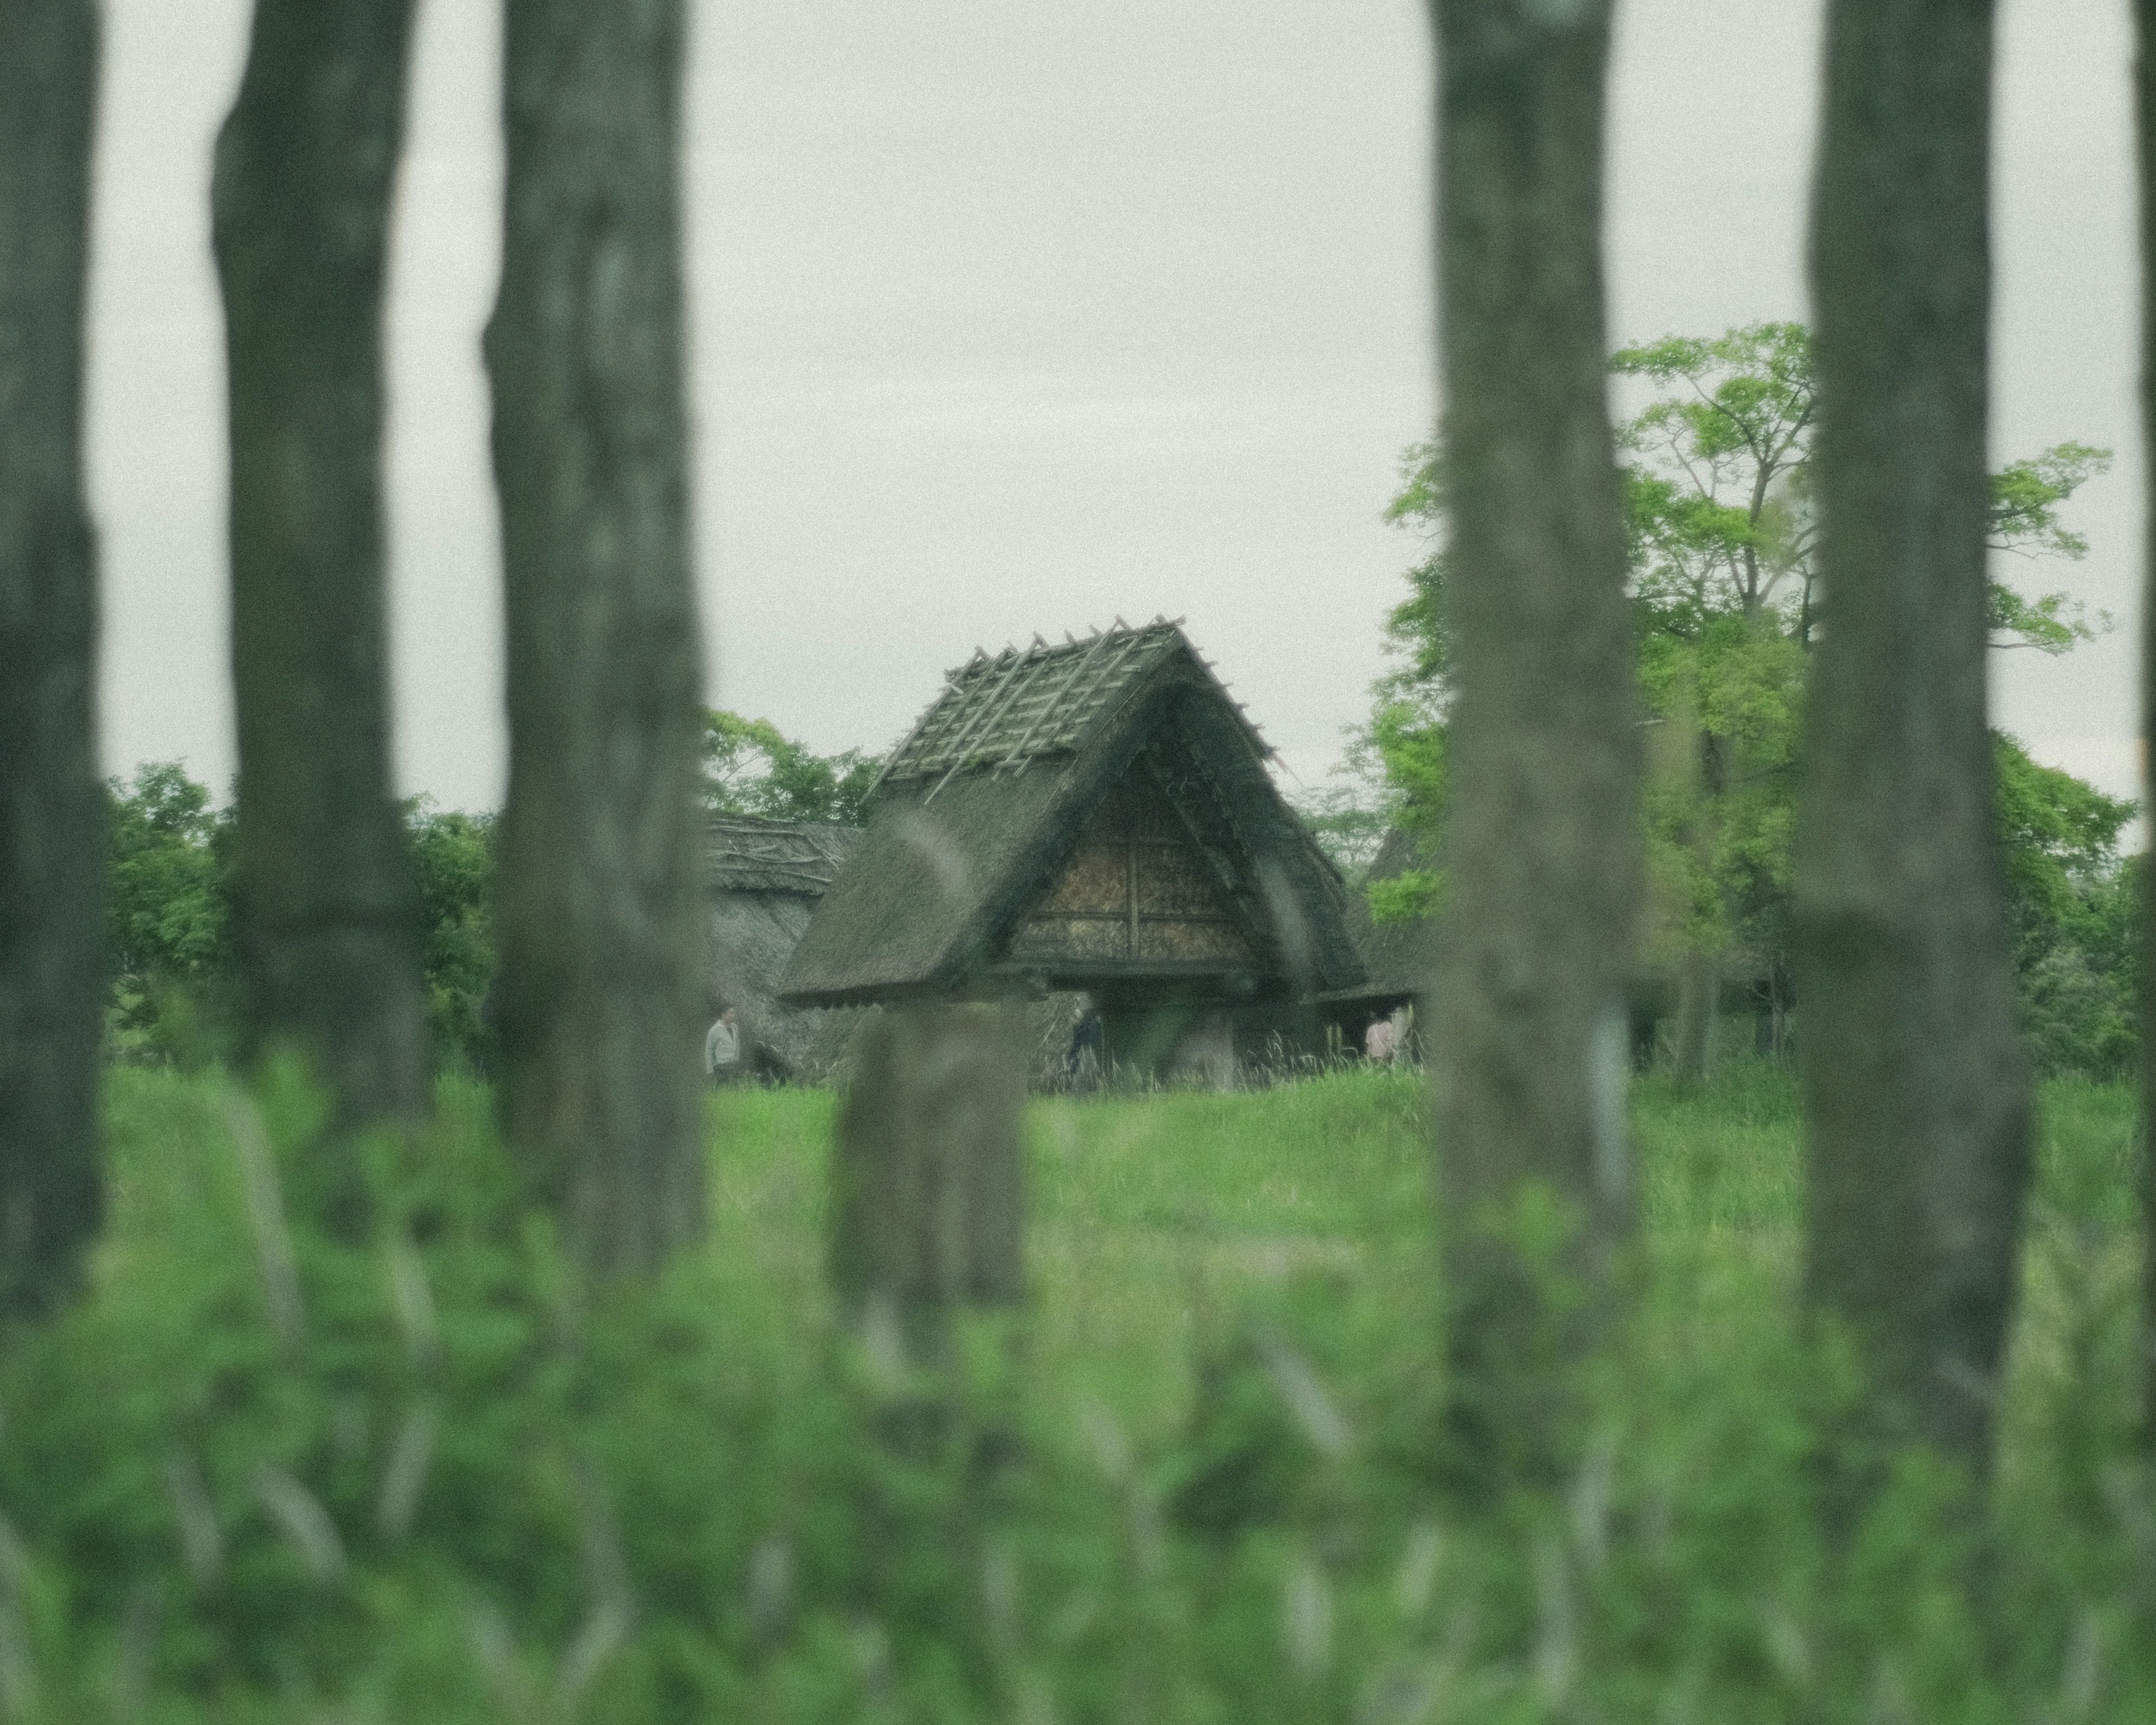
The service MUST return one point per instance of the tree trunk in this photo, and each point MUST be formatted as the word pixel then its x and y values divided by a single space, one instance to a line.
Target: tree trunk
pixel 1917 1097
pixel 1529 1043
pixel 1699 970
pixel 926 1208
pixel 602 936
pixel 1699 1000
pixel 52 855
pixel 2144 15
pixel 327 910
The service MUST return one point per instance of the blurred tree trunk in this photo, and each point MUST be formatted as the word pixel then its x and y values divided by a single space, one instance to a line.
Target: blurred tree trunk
pixel 600 897
pixel 52 855
pixel 1699 972
pixel 327 911
pixel 927 1207
pixel 1529 1047
pixel 1917 1097
pixel 2144 16
pixel 1699 995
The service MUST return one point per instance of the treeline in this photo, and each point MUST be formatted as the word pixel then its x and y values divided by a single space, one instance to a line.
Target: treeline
pixel 169 915
pixel 170 893
pixel 1726 598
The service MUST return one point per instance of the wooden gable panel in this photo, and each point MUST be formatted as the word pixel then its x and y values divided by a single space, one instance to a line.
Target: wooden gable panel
pixel 1136 889
pixel 1095 881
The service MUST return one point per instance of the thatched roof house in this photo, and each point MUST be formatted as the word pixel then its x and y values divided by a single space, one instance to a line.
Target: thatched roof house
pixel 1398 957
pixel 763 879
pixel 1094 815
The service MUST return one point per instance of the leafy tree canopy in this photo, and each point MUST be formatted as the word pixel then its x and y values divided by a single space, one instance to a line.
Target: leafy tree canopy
pixel 750 767
pixel 452 856
pixel 168 910
pixel 1718 492
pixel 167 901
pixel 1721 534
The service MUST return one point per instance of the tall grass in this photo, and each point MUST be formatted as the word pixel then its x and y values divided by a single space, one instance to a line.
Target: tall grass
pixel 259 1474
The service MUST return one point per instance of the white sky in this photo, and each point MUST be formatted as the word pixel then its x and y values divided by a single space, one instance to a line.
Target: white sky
pixel 1011 317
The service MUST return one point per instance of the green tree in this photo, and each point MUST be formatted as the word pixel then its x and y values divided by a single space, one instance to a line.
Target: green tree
pixel 452 856
pixel 1348 820
pixel 1719 495
pixel 2074 941
pixel 750 767
pixel 169 917
pixel 1721 541
pixel 168 914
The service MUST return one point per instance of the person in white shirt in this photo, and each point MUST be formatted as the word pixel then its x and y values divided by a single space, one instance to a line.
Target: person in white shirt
pixel 1380 1040
pixel 722 1048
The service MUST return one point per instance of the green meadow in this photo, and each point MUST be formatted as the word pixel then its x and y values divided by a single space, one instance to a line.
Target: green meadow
pixel 264 1472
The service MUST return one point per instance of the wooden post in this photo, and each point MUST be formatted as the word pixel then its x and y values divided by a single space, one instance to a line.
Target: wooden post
pixel 52 829
pixel 1527 1013
pixel 927 1174
pixel 1917 1097
pixel 600 903
pixel 326 905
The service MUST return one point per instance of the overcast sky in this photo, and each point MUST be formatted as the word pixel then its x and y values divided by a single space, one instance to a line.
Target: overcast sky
pixel 1011 318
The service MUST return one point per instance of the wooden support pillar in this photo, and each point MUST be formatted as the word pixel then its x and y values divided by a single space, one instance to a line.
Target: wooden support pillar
pixel 926 1174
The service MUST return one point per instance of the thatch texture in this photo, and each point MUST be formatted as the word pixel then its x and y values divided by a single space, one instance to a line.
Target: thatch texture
pixel 1398 957
pixel 763 879
pixel 1094 815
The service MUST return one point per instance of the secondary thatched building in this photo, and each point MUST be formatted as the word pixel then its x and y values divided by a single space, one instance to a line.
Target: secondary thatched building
pixel 1096 815
pixel 763 879
pixel 1398 957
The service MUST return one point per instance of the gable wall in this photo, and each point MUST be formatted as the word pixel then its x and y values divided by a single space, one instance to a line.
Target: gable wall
pixel 1135 888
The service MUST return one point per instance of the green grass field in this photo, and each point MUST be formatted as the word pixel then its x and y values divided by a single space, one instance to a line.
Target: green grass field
pixel 1148 1213
pixel 262 1473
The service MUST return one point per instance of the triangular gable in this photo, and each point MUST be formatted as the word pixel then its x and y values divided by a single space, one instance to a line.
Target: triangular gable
pixel 1006 784
pixel 1137 889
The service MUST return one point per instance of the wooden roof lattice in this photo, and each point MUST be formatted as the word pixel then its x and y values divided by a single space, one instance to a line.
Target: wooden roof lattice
pixel 745 853
pixel 1001 713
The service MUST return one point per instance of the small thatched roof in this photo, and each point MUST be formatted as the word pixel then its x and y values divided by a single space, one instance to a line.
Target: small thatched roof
pixel 745 852
pixel 1396 956
pixel 1034 759
pixel 763 879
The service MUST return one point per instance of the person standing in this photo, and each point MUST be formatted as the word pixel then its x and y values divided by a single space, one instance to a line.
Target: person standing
pixel 722 1048
pixel 1380 1041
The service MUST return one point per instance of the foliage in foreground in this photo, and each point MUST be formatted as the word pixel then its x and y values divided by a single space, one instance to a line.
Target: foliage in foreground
pixel 261 1475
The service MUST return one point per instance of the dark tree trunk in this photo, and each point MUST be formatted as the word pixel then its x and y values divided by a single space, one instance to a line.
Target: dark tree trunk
pixel 1917 1097
pixel 1699 972
pixel 1528 1045
pixel 926 1201
pixel 327 919
pixel 602 938
pixel 52 857
pixel 2144 15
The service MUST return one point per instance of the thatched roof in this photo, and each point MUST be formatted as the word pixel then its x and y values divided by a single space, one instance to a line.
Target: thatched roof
pixel 744 853
pixel 763 879
pixel 1398 957
pixel 1025 704
pixel 982 808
